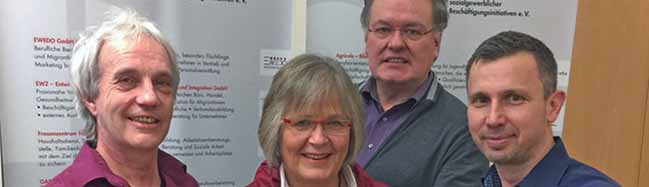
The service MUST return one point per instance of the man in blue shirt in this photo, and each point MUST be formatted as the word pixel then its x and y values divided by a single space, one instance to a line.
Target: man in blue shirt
pixel 512 102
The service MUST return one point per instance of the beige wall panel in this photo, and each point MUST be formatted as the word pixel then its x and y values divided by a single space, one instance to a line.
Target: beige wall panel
pixel 609 80
pixel 644 162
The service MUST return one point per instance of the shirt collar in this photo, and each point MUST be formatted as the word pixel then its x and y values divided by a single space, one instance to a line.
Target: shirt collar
pixel 426 91
pixel 547 172
pixel 347 174
pixel 95 167
pixel 550 169
pixel 492 179
pixel 169 167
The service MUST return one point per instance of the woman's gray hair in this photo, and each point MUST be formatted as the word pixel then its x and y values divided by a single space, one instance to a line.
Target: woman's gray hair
pixel 440 14
pixel 122 25
pixel 306 80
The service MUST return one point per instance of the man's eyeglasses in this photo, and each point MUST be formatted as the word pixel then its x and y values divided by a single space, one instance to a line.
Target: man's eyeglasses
pixel 412 34
pixel 330 127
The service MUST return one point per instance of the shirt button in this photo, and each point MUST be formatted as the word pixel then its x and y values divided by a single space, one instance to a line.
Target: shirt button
pixel 370 146
pixel 385 119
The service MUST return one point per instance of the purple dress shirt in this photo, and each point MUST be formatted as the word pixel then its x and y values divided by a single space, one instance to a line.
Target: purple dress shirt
pixel 90 169
pixel 380 124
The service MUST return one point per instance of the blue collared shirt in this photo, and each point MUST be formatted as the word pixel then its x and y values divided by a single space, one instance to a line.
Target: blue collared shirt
pixel 380 124
pixel 556 169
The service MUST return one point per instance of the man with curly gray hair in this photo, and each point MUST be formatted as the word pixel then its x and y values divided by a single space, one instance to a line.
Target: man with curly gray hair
pixel 126 79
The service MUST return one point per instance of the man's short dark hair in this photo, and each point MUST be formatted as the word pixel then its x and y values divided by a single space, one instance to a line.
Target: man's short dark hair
pixel 508 43
pixel 440 14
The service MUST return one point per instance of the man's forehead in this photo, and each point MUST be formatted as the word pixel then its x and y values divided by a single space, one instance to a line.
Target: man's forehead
pixel 125 43
pixel 518 70
pixel 421 9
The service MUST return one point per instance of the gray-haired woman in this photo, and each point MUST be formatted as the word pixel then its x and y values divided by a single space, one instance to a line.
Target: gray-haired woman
pixel 312 127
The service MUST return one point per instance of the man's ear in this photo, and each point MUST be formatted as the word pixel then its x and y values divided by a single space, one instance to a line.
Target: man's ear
pixel 365 36
pixel 90 105
pixel 553 105
pixel 437 41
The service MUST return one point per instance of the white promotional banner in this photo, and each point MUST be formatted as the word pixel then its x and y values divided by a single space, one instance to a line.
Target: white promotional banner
pixel 334 29
pixel 227 52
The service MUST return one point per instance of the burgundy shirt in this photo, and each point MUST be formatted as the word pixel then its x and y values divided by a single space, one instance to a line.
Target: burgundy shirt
pixel 90 169
pixel 265 177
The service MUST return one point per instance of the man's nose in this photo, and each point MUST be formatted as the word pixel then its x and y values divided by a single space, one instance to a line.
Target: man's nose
pixel 147 95
pixel 496 116
pixel 396 41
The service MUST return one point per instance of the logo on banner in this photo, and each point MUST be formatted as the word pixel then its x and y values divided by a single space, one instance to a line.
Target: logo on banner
pixel 271 60
pixel 275 61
